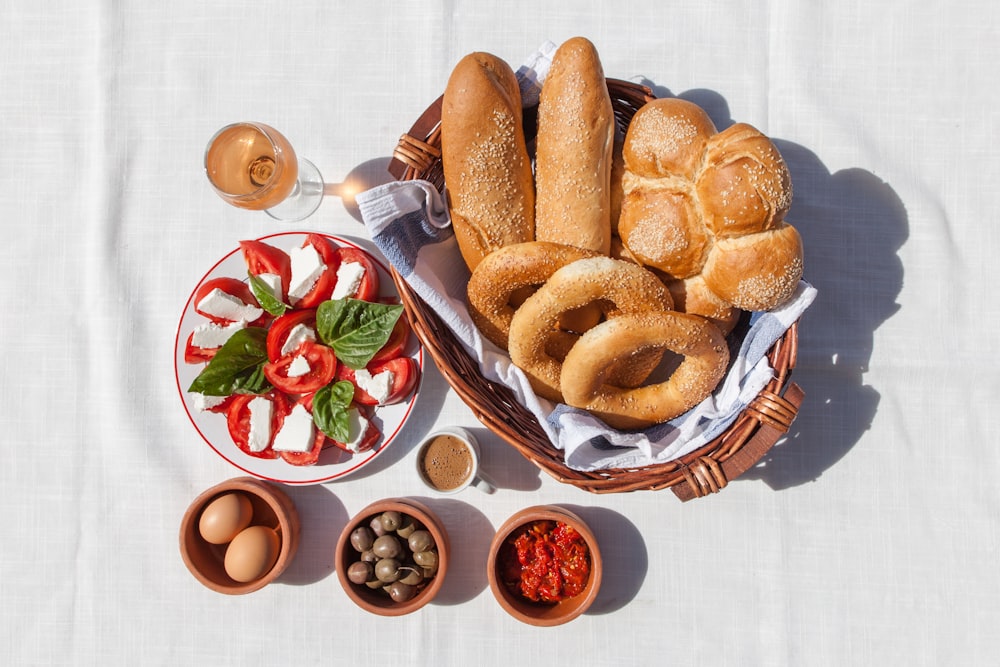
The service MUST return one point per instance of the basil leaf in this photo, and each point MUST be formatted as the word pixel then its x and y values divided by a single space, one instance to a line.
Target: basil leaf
pixel 265 297
pixel 330 405
pixel 238 366
pixel 356 329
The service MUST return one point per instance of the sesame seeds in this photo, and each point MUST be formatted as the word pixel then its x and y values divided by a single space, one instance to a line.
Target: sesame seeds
pixel 764 289
pixel 574 153
pixel 491 196
pixel 721 185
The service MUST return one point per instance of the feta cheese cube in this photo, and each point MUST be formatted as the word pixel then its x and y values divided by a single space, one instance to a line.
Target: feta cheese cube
pixel 211 335
pixel 378 386
pixel 349 277
pixel 357 427
pixel 297 432
pixel 223 305
pixel 307 267
pixel 298 335
pixel 298 367
pixel 273 282
pixel 261 413
pixel 203 403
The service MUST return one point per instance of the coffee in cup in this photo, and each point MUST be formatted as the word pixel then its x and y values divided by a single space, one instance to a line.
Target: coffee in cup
pixel 448 462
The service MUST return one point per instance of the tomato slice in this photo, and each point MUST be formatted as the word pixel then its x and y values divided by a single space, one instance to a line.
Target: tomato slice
pixel 238 421
pixel 405 373
pixel 197 355
pixel 232 287
pixel 399 339
pixel 322 368
pixel 282 327
pixel 263 258
pixel 323 288
pixel 310 457
pixel 369 287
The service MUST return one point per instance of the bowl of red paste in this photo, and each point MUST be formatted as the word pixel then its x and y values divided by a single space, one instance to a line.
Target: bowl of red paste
pixel 544 566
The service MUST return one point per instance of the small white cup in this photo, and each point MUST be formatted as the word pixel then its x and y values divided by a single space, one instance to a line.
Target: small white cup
pixel 457 469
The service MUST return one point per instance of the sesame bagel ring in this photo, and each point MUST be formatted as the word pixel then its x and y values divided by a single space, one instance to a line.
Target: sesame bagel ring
pixel 585 370
pixel 504 274
pixel 616 286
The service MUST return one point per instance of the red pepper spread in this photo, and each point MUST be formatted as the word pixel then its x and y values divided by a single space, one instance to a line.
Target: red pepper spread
pixel 546 561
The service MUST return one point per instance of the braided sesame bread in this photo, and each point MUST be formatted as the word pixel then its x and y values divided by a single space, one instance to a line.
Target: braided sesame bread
pixel 709 204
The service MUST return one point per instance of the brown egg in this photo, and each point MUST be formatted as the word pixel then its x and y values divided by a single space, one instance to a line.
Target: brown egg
pixel 225 517
pixel 252 553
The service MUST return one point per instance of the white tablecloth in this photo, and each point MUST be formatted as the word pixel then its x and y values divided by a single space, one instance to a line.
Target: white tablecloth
pixel 867 537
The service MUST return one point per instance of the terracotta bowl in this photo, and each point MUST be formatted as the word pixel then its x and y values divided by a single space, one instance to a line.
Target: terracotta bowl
pixel 540 613
pixel 271 507
pixel 378 601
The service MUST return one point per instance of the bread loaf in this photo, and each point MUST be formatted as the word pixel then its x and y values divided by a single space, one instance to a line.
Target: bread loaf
pixel 485 159
pixel 702 203
pixel 583 376
pixel 573 158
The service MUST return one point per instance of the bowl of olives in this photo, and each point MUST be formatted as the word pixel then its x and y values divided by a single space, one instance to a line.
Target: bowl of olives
pixel 392 557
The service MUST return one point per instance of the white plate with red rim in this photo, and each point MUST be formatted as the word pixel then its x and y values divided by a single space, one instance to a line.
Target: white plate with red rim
pixel 333 463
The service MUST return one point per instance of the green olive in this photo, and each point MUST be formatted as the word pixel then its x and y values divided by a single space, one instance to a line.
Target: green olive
pixel 420 540
pixel 374 584
pixel 411 575
pixel 400 592
pixel 407 527
pixel 362 538
pixel 360 571
pixel 376 525
pixel 387 570
pixel 426 559
pixel 391 520
pixel 387 546
pixel 369 556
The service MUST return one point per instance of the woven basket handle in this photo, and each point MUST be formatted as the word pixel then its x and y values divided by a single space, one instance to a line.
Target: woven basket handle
pixel 413 150
pixel 775 414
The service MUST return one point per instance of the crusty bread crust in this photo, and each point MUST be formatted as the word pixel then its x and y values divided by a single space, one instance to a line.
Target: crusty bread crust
pixel 625 288
pixel 584 373
pixel 702 203
pixel 490 189
pixel 576 129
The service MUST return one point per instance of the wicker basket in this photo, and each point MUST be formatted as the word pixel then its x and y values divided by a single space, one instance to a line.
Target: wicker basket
pixel 704 471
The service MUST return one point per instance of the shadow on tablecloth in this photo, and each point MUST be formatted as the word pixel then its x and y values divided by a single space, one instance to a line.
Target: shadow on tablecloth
pixel 852 225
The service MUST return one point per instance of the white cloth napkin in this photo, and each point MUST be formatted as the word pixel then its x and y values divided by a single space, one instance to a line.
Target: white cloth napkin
pixel 408 221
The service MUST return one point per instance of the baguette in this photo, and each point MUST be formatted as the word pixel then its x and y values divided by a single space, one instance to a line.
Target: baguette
pixel 485 159
pixel 576 128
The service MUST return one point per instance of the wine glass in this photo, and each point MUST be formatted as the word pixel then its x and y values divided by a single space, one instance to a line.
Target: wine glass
pixel 252 166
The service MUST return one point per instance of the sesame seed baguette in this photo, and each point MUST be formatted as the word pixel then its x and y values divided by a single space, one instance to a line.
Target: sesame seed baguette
pixel 485 159
pixel 576 129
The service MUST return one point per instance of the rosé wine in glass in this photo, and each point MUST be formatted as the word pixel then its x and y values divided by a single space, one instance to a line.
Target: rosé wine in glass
pixel 253 166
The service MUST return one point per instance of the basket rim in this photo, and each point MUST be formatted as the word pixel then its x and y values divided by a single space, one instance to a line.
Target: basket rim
pixel 704 471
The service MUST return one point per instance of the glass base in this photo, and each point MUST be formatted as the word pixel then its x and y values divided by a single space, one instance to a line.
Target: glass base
pixel 305 198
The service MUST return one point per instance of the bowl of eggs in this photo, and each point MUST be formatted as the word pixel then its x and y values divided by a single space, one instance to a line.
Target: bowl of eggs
pixel 392 557
pixel 544 566
pixel 240 535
